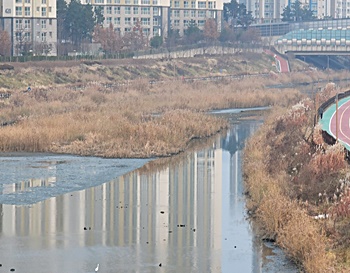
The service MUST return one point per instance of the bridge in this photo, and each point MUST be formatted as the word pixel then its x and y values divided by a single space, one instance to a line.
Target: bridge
pixel 324 47
pixel 320 41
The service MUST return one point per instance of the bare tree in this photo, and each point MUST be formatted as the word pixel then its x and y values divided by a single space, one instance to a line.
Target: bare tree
pixel 5 43
pixel 109 39
pixel 135 39
pixel 210 31
pixel 23 44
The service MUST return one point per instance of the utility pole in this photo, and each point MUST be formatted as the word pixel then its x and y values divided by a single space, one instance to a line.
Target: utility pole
pixel 336 118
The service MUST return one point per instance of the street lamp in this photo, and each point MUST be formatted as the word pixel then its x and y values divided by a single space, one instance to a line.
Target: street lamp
pixel 336 116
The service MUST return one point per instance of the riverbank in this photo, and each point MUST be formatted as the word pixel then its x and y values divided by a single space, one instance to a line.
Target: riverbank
pixel 115 109
pixel 298 188
pixel 129 121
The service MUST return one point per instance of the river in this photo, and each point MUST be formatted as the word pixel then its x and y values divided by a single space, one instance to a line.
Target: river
pixel 63 213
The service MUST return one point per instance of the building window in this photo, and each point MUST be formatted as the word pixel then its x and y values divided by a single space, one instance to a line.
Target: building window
pixel 43 36
pixel 127 20
pixel 186 13
pixel 176 23
pixel 116 1
pixel 136 10
pixel 155 21
pixel 109 20
pixel 145 2
pixel 109 10
pixel 212 14
pixel 18 1
pixel 19 11
pixel 50 9
pixel 127 29
pixel 186 4
pixel 145 21
pixel 127 10
pixel 176 4
pixel 50 34
pixel 43 2
pixel 116 10
pixel 201 23
pixel 27 11
pixel 136 2
pixel 27 24
pixel 176 13
pixel 210 5
pixel 145 11
pixel 43 11
pixel 127 2
pixel 201 5
pixel 186 23
pixel 50 22
pixel 201 13
pixel 193 4
pixel 193 13
pixel 117 21
pixel 27 1
pixel 27 36
pixel 18 24
pixel 156 11
pixel 43 23
pixel 156 31
pixel 146 31
pixel 18 36
pixel 155 2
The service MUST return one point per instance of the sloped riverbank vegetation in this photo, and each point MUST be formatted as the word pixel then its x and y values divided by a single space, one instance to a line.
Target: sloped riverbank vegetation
pixel 93 113
pixel 298 187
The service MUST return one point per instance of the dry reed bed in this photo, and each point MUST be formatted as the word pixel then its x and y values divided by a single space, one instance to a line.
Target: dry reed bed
pixel 280 217
pixel 142 120
pixel 292 176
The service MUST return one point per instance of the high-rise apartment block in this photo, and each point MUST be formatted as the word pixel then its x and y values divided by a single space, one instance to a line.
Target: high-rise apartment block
pixel 157 17
pixel 266 11
pixel 31 24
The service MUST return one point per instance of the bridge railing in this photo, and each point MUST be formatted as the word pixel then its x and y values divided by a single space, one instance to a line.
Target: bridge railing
pixel 330 101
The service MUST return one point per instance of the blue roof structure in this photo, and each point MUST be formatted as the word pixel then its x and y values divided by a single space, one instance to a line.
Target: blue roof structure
pixel 339 36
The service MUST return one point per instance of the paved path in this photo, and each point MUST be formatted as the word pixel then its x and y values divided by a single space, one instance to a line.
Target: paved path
pixel 328 121
pixel 281 63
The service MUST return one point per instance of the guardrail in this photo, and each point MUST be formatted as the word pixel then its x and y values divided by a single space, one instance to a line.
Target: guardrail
pixel 330 101
pixel 329 139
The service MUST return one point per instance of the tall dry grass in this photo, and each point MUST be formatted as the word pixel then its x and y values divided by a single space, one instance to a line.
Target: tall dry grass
pixel 285 176
pixel 139 120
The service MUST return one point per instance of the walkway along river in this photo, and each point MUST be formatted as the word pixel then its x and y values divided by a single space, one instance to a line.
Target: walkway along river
pixel 187 215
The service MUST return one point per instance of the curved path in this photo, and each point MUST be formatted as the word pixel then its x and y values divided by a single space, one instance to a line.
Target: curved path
pixel 343 123
pixel 329 123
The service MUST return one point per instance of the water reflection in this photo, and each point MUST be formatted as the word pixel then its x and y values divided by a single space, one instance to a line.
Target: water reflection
pixel 186 217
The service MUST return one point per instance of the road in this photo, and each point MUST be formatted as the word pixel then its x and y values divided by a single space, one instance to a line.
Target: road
pixel 343 123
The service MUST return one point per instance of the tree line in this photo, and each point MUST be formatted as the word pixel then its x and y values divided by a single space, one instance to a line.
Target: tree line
pixel 79 24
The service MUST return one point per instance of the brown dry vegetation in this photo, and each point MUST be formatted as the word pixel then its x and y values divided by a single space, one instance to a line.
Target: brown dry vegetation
pixel 292 175
pixel 139 121
pixel 91 113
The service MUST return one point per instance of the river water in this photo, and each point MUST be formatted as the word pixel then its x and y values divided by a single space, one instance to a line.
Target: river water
pixel 183 214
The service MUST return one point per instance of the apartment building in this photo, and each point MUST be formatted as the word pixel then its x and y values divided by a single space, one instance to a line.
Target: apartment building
pixel 157 17
pixel 152 15
pixel 31 24
pixel 183 11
